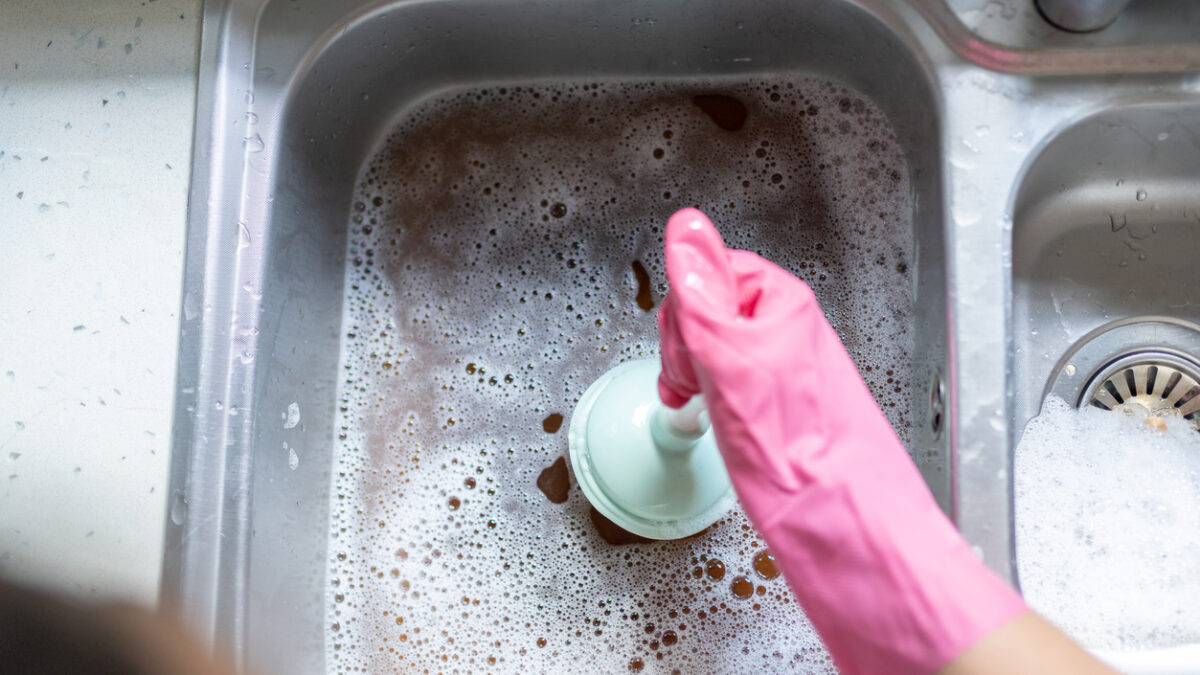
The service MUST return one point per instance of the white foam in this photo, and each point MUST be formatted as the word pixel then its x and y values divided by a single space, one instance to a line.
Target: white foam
pixel 1108 526
pixel 292 417
pixel 489 282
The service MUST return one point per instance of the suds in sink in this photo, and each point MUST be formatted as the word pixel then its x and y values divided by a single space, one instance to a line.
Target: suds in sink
pixel 506 250
pixel 1108 526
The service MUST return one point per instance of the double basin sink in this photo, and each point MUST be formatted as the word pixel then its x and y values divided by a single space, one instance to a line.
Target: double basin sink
pixel 988 209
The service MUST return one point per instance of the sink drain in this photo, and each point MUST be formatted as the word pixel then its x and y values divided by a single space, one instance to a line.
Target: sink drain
pixel 1135 366
pixel 1159 383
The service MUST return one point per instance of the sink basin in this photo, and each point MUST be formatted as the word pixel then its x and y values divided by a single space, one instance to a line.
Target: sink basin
pixel 1105 226
pixel 418 230
pixel 505 251
pixel 1105 310
pixel 416 244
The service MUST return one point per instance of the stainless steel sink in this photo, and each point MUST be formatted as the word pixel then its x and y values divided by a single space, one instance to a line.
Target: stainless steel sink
pixel 1105 232
pixel 1105 300
pixel 1008 150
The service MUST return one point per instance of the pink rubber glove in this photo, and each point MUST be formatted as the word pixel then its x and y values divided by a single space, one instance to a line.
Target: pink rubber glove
pixel 880 571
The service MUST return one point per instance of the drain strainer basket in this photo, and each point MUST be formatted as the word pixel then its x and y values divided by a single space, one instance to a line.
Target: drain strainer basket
pixel 1160 383
pixel 1145 364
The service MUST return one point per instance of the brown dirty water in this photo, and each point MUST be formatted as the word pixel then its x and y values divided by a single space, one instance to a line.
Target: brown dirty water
pixel 491 240
pixel 615 535
pixel 611 533
pixel 742 588
pixel 552 423
pixel 764 565
pixel 714 569
pixel 645 299
pixel 726 112
pixel 555 482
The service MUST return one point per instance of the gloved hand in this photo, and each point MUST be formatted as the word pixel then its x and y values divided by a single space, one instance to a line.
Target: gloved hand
pixel 882 574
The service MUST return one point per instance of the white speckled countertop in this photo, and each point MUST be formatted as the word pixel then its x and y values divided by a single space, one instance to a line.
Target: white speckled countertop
pixel 96 110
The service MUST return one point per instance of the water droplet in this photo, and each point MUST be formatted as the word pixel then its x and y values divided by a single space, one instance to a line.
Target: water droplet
pixel 254 143
pixel 1141 195
pixel 178 507
pixel 243 235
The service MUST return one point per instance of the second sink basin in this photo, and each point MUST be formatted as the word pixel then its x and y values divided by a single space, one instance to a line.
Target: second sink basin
pixel 1106 305
pixel 1106 229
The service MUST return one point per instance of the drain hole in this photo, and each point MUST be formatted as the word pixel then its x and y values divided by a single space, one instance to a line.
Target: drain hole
pixel 937 404
pixel 1191 394
pixel 1175 378
pixel 1151 384
pixel 1112 389
pixel 1134 379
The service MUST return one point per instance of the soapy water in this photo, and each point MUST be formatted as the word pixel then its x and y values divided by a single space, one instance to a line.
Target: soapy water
pixel 506 250
pixel 1108 526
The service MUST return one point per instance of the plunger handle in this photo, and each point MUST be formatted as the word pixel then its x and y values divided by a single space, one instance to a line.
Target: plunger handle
pixel 678 429
pixel 691 419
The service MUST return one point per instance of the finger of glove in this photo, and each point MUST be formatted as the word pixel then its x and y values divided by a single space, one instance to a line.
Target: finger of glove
pixel 698 267
pixel 699 274
pixel 704 300
pixel 677 383
pixel 773 312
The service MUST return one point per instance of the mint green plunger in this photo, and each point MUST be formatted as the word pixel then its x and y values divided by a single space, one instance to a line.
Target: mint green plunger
pixel 653 470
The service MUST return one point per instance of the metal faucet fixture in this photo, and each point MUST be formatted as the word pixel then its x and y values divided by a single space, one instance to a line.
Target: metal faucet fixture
pixel 1081 16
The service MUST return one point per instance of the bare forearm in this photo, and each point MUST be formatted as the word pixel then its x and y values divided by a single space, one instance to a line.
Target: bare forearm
pixel 1029 645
